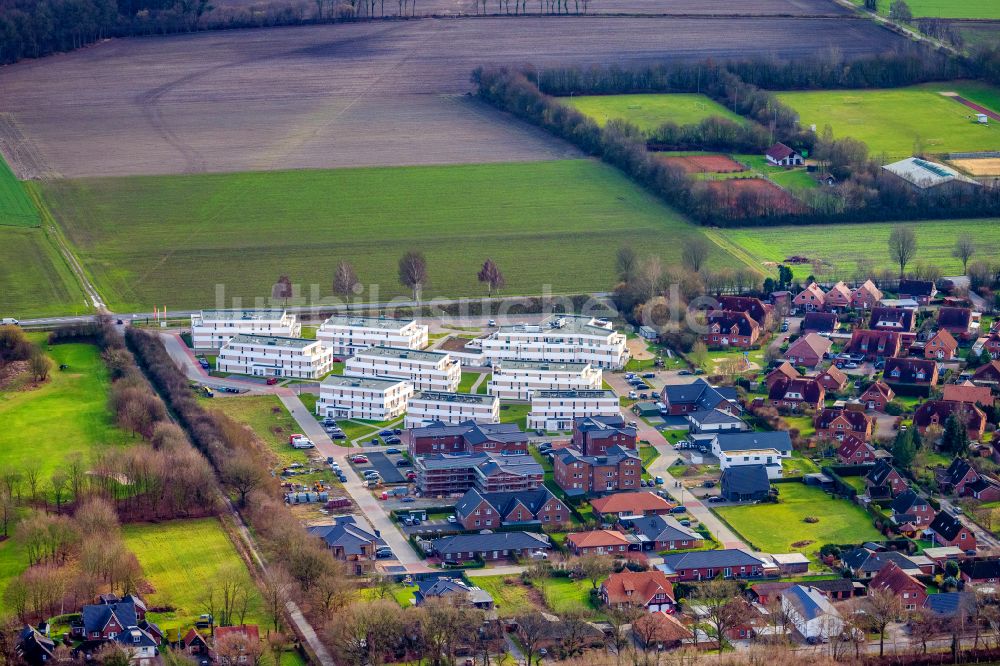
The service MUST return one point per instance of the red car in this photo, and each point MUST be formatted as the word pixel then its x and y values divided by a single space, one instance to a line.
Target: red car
pixel 359 459
pixel 271 381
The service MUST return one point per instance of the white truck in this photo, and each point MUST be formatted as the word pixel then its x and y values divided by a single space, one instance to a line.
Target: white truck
pixel 9 321
pixel 302 442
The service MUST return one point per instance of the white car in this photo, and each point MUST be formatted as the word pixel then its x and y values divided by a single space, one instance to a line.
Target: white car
pixel 452 519
pixel 9 321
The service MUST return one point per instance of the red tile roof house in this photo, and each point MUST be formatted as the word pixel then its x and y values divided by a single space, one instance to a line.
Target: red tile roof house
pixel 949 531
pixel 730 329
pixel 921 291
pixel 936 412
pixel 808 350
pixel 942 346
pixel 988 374
pixel 874 344
pixel 819 322
pixel 661 631
pixel 885 475
pixel 783 371
pixel 644 503
pixel 855 451
pixel 877 396
pixel 866 296
pixel 810 298
pixel 968 392
pixel 781 155
pixel 761 312
pixel 649 590
pixel 911 376
pixel 838 297
pixel 892 319
pixel 796 394
pixel 960 322
pixel 909 590
pixel 836 423
pixel 599 542
pixel 832 379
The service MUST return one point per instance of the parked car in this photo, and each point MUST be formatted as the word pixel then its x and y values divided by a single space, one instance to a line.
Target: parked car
pixel 359 459
pixel 384 554
pixel 271 381
pixel 716 498
pixel 491 323
pixel 708 484
pixel 402 463
pixel 684 372
pixel 391 449
pixel 649 375
pixel 338 435
pixel 679 509
pixel 658 480
pixel 385 433
pixel 632 395
pixel 392 440
pixel 452 519
pixel 643 396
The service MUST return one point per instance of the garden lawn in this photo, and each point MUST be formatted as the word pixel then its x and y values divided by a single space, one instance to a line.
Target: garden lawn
pixel 564 594
pixel 267 417
pixel 470 378
pixel 515 413
pixel 509 595
pixel 177 240
pixel 66 416
pixel 774 528
pixel 954 9
pixel 798 465
pixel 647 112
pixel 34 279
pixel 901 121
pixel 180 559
pixel 791 179
pixel 935 242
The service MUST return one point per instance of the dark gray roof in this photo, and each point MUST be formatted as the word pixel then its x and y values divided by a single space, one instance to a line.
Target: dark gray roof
pixel 346 533
pixel 662 528
pixel 745 480
pixel 880 473
pixel 442 586
pixel 476 543
pixel 96 616
pixel 742 441
pixel 946 525
pixel 504 503
pixel 713 417
pixel 948 603
pixel 906 501
pixel 612 456
pixel 136 637
pixel 699 393
pixel 865 560
pixel 981 569
pixel 728 557
pixel 606 424
pixel 475 433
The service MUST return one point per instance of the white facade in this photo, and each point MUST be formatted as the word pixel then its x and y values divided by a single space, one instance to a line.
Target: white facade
pixel 212 329
pixel 453 408
pixel 559 339
pixel 272 356
pixel 363 398
pixel 426 370
pixel 518 380
pixel 556 410
pixel 346 334
pixel 770 458
pixel 812 613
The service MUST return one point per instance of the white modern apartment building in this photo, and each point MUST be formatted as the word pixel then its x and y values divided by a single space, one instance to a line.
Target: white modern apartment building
pixel 212 329
pixel 426 370
pixel 347 334
pixel 368 398
pixel 559 339
pixel 556 410
pixel 518 380
pixel 274 356
pixel 454 408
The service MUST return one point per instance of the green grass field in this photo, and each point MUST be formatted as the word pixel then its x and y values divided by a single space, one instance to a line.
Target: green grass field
pixel 511 598
pixel 16 208
pixel 774 528
pixel 68 415
pixel 791 179
pixel 34 279
pixel 647 112
pixel 956 9
pixel 267 417
pixel 935 242
pixel 169 240
pixel 564 594
pixel 180 558
pixel 13 560
pixel 902 121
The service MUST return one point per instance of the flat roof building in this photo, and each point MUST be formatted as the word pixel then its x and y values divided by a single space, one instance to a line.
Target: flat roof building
pixel 557 410
pixel 347 334
pixel 427 407
pixel 517 380
pixel 559 339
pixel 274 356
pixel 426 370
pixel 367 398
pixel 212 329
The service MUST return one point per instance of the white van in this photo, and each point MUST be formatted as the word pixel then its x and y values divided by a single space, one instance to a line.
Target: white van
pixel 9 321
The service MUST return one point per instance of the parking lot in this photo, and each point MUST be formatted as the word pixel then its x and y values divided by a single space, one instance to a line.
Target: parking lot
pixel 385 466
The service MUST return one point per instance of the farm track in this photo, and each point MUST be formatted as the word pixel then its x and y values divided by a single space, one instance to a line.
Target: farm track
pixel 363 94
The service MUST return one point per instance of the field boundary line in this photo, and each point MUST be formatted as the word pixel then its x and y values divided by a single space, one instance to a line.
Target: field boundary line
pixel 737 251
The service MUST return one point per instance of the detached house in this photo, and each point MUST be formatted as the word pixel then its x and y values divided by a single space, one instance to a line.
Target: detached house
pixel 759 311
pixel 650 590
pixel 708 564
pixel 866 296
pixel 477 510
pixel 968 392
pixel 960 322
pixel 598 542
pixel 698 396
pixel 956 477
pixel 874 344
pixel 877 396
pixel 663 533
pixel 781 155
pixel 612 508
pixel 921 291
pixel 909 508
pixel 949 531
pixel 914 376
pixel 783 371
pixel 941 347
pixel 892 319
pixel 349 542
pixel 855 451
pixel 730 329
pixel 936 412
pixel 836 423
pixel 832 379
pixel 811 298
pixel 884 476
pixel 989 374
pixel 809 350
pixel 812 613
pixel 911 592
pixel 819 322
pixel 796 394
pixel 838 298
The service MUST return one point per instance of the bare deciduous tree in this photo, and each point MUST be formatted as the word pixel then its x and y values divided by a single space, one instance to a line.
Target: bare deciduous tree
pixel 491 274
pixel 345 280
pixel 413 272
pixel 723 606
pixel 594 568
pixel 626 263
pixel 965 247
pixel 282 289
pixel 883 608
pixel 902 247
pixel 694 252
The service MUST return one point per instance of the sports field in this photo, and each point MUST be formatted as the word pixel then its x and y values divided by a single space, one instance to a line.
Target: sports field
pixel 34 279
pixel 16 209
pixel 178 240
pixel 647 112
pixel 902 121
pixel 66 416
pixel 957 9
pixel 781 527
pixel 181 559
pixel 839 246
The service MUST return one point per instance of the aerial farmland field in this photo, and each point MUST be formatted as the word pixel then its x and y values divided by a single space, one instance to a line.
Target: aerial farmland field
pixel 955 9
pixel 34 279
pixel 170 240
pixel 902 121
pixel 647 112
pixel 768 246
